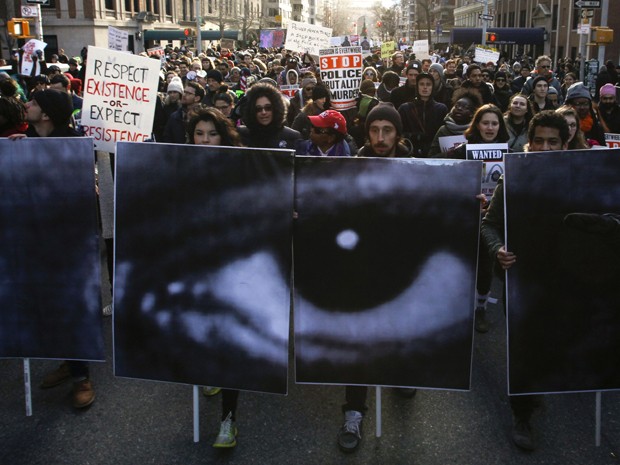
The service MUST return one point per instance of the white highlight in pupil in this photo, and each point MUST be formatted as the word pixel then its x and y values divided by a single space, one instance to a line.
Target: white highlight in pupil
pixel 347 239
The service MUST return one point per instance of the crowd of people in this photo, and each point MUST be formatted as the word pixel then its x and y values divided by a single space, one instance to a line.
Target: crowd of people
pixel 404 108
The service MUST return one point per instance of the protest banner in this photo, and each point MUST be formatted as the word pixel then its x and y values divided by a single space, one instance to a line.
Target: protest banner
pixel 118 39
pixel 212 304
pixel 119 97
pixel 371 305
pixel 562 214
pixel 272 38
pixel 341 71
pixel 387 48
pixel 50 291
pixel 289 90
pixel 228 44
pixel 420 49
pixel 612 140
pixel 302 37
pixel 493 157
pixel 484 55
pixel 27 63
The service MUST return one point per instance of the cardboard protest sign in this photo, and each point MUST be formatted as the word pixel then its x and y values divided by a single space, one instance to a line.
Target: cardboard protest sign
pixel 420 49
pixel 387 48
pixel 484 55
pixel 341 71
pixel 118 39
pixel 27 63
pixel 119 97
pixel 50 291
pixel 612 140
pixel 203 297
pixel 302 37
pixel 289 90
pixel 563 225
pixel 493 157
pixel 385 266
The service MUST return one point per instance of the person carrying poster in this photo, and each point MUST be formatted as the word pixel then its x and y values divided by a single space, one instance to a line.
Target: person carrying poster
pixel 48 115
pixel 422 117
pixel 209 126
pixel 384 130
pixel 548 131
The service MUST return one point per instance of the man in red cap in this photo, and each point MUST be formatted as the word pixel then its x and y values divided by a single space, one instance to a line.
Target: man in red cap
pixel 327 136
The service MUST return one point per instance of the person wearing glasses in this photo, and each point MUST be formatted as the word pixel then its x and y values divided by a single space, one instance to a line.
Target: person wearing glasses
pixel 543 69
pixel 263 116
pixel 300 98
pixel 224 101
pixel 174 132
pixel 327 136
pixel 576 139
pixel 578 96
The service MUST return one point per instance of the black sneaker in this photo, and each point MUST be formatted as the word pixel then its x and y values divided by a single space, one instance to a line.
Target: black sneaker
pixel 522 434
pixel 481 324
pixel 350 435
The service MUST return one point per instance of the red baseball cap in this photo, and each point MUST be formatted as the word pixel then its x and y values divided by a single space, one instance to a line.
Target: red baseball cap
pixel 330 119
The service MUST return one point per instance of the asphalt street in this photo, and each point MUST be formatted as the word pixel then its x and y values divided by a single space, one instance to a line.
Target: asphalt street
pixel 145 422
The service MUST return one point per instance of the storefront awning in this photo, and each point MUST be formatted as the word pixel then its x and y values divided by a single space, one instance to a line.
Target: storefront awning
pixel 505 35
pixel 177 34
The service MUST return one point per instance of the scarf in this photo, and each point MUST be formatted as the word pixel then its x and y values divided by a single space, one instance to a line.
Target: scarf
pixel 586 124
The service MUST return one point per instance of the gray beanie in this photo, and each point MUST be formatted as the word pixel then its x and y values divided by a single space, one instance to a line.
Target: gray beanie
pixel 385 111
pixel 175 85
pixel 437 67
pixel 578 90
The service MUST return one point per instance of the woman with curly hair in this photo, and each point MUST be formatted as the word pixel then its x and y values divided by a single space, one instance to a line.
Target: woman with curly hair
pixel 263 114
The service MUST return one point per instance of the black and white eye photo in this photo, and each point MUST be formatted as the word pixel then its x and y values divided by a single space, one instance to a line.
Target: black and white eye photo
pixel 50 286
pixel 202 265
pixel 385 255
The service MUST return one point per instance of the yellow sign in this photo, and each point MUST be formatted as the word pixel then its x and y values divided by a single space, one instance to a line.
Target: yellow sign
pixel 387 48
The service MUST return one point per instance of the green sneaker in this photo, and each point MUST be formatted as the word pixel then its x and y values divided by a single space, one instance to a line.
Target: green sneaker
pixel 228 432
pixel 210 391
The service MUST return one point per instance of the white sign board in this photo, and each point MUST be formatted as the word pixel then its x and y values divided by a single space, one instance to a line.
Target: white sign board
pixel 30 11
pixel 420 48
pixel 119 97
pixel 484 55
pixel 30 48
pixel 341 71
pixel 302 37
pixel 493 157
pixel 118 39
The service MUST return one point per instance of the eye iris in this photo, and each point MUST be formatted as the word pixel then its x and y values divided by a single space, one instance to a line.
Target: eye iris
pixel 347 239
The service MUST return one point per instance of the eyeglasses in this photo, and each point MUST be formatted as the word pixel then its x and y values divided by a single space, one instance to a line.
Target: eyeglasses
pixel 582 104
pixel 500 80
pixel 544 66
pixel 265 108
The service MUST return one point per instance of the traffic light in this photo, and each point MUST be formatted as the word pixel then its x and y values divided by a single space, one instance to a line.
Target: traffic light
pixel 602 35
pixel 492 37
pixel 189 32
pixel 18 28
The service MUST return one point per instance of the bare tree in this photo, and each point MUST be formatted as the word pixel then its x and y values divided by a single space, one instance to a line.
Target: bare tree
pixel 424 21
pixel 387 20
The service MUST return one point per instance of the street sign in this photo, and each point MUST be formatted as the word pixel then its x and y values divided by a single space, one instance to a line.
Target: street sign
pixel 587 3
pixel 30 11
pixel 486 17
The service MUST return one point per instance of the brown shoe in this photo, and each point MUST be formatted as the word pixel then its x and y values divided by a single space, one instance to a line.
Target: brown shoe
pixel 56 377
pixel 83 393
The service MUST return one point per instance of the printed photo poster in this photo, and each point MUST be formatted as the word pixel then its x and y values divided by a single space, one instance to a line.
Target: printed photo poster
pixel 612 140
pixel 563 224
pixel 50 291
pixel 202 265
pixel 385 268
pixel 310 38
pixel 289 90
pixel 341 71
pixel 447 143
pixel 272 38
pixel 119 97
pixel 32 47
pixel 493 157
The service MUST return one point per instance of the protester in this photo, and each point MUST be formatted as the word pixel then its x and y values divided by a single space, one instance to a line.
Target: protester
pixel 442 93
pixel 263 115
pixel 327 136
pixel 576 139
pixel 517 120
pixel 224 101
pixel 300 98
pixel 543 70
pixel 578 96
pixel 208 126
pixel 538 98
pixel 502 90
pixel 608 109
pixel 389 82
pixel 407 92
pixel 320 101
pixel 548 131
pixel 12 117
pixel 214 82
pixel 474 81
pixel 174 131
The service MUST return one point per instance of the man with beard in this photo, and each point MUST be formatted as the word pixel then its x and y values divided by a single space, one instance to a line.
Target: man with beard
pixel 174 131
pixel 609 110
pixel 466 102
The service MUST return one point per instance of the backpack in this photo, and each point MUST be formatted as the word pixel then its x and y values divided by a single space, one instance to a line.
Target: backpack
pixel 365 104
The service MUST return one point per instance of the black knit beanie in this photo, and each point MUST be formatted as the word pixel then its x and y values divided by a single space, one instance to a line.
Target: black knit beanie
pixel 55 104
pixel 385 111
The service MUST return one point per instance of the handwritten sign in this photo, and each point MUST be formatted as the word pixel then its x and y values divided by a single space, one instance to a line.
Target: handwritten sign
pixel 302 37
pixel 484 55
pixel 341 71
pixel 118 39
pixel 30 48
pixel 387 48
pixel 493 157
pixel 420 49
pixel 119 97
pixel 612 140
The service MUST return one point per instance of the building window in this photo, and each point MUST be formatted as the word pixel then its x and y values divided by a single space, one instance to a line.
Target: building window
pixel 109 4
pixel 554 18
